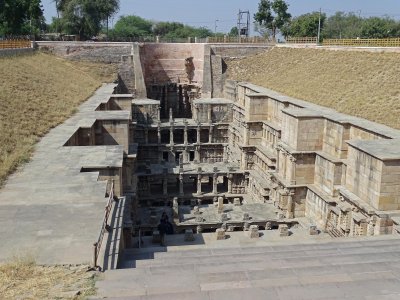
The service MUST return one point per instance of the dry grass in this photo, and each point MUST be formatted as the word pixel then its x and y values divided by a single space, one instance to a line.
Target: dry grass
pixel 21 278
pixel 362 84
pixel 39 92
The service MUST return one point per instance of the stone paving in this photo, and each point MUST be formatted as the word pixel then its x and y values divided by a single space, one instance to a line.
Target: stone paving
pixel 51 210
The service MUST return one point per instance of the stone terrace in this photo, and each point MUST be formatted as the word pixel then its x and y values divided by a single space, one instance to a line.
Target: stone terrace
pixel 51 209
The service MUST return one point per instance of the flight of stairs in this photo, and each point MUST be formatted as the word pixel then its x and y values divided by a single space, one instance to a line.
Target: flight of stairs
pixel 339 269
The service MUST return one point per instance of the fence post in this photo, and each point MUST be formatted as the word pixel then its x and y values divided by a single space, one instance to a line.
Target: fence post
pixel 95 255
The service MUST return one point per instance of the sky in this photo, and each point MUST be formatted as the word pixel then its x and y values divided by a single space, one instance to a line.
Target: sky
pixel 205 12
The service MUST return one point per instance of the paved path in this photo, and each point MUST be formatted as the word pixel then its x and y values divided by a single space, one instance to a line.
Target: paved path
pixel 50 209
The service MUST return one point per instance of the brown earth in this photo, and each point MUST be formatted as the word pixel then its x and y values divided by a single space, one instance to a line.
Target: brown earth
pixel 21 278
pixel 362 84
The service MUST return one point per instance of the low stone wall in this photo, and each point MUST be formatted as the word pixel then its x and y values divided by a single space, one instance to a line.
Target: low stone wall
pixel 87 51
pixel 238 50
pixel 16 52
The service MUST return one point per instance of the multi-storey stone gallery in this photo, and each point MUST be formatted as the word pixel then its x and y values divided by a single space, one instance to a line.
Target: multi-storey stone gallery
pixel 175 142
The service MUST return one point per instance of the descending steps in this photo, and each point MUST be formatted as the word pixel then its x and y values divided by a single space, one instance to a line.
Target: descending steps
pixel 340 269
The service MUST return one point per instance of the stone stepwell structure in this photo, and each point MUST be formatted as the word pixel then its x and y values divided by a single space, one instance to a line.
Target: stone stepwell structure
pixel 261 194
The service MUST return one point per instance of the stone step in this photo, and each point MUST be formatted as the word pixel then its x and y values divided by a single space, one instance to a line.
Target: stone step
pixel 272 249
pixel 275 247
pixel 391 251
pixel 186 286
pixel 349 263
pixel 262 267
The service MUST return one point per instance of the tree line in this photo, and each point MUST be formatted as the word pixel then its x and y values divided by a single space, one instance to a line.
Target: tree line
pixel 273 17
pixel 89 18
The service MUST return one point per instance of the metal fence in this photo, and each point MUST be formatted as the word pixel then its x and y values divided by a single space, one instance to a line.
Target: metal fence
pixel 389 42
pixel 301 40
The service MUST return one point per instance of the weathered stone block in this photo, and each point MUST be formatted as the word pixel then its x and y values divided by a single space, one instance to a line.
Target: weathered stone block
pixel 220 234
pixel 246 217
pixel 253 232
pixel 283 230
pixel 313 230
pixel 236 202
pixel 156 237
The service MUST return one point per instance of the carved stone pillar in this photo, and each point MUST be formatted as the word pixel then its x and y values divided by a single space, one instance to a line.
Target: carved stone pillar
pixel 225 154
pixel 199 184
pixel 159 134
pixel 197 154
pixel 165 186
pixel 171 135
pixel 290 209
pixel 210 133
pixel 293 170
pixel 215 184
pixel 180 184
pixel 185 135
pixel 146 136
pixel 278 150
pixel 198 134
pixel 209 114
pixel 230 180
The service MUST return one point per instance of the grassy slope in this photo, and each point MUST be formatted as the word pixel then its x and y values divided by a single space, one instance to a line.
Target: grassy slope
pixel 39 92
pixel 362 84
pixel 21 278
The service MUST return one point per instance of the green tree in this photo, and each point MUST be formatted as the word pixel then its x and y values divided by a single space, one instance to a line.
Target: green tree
pixel 234 31
pixel 85 17
pixel 379 28
pixel 132 27
pixel 305 25
pixel 272 15
pixel 342 25
pixel 21 17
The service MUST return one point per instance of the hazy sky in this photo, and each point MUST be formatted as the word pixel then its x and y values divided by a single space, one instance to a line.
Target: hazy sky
pixel 205 12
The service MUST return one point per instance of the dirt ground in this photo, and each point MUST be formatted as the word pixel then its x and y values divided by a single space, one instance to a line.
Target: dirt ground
pixel 21 278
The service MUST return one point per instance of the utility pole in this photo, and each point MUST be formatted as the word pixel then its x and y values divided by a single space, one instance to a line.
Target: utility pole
pixel 215 28
pixel 319 27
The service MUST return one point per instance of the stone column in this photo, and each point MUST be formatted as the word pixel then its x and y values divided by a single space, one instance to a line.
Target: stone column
pixel 180 184
pixel 146 136
pixel 293 169
pixel 210 132
pixel 289 212
pixel 230 179
pixel 171 135
pixel 158 134
pixel 165 186
pixel 199 184
pixel 198 134
pixel 209 114
pixel 277 159
pixel 197 154
pixel 185 135
pixel 159 113
pixel 225 154
pixel 215 184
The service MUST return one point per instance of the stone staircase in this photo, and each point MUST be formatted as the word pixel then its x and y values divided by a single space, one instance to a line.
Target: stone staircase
pixel 340 269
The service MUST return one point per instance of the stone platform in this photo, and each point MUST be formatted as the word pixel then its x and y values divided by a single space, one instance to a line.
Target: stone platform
pixel 50 209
